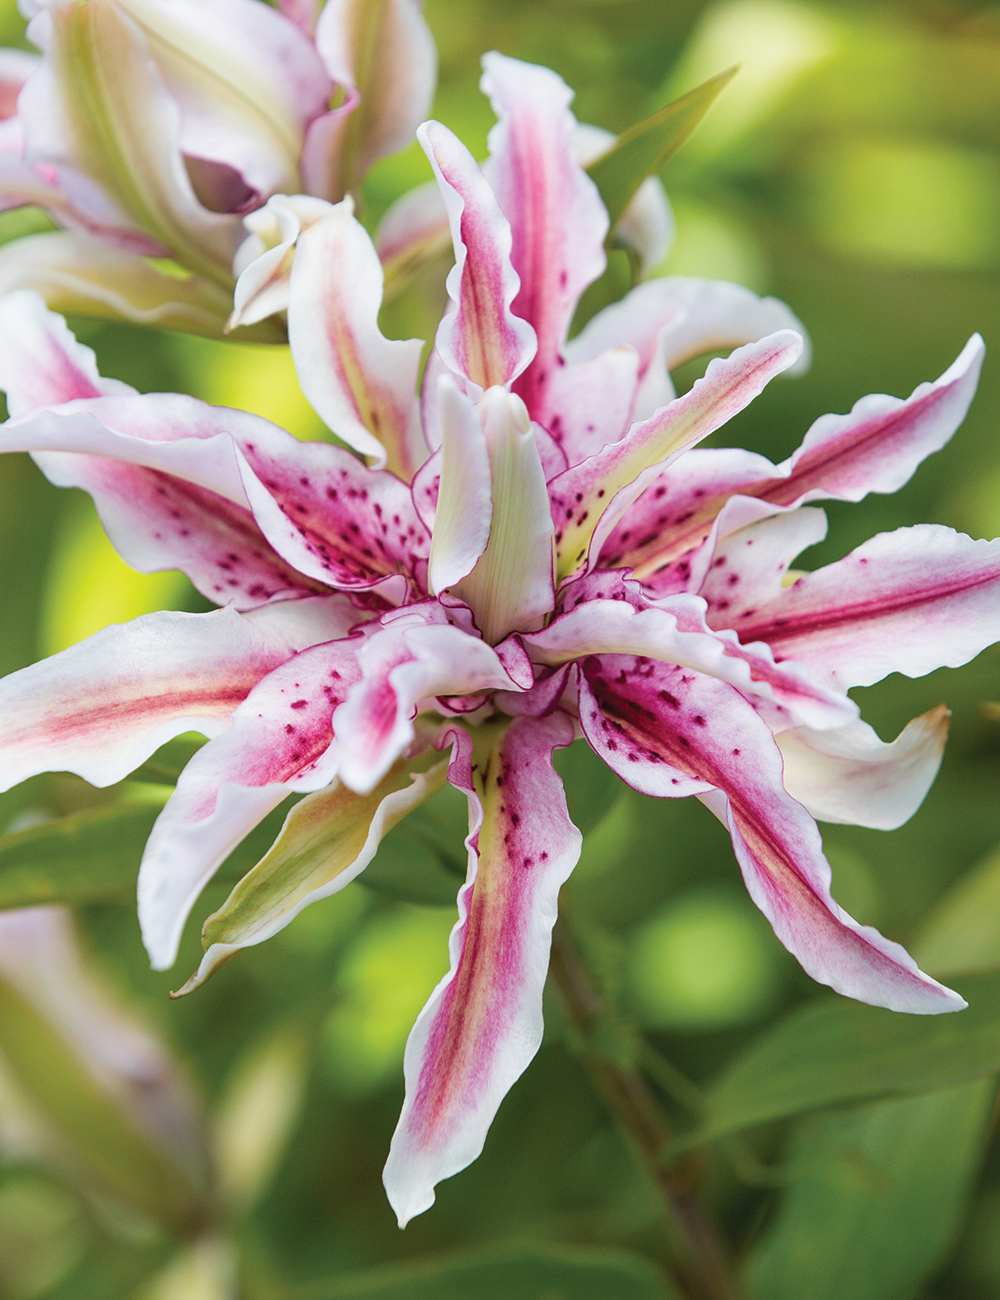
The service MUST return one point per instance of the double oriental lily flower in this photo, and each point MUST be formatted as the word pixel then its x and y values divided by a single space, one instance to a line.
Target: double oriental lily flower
pixel 148 128
pixel 547 559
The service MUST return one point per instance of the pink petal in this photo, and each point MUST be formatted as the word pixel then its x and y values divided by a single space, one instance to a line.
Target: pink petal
pixel 102 707
pixel 483 1023
pixel 413 231
pixel 116 140
pixel 556 215
pixel 361 383
pixel 303 13
pixel 748 567
pixel 589 499
pixel 587 405
pixel 671 732
pixel 416 656
pixel 674 631
pixel 463 506
pixel 247 82
pixel 675 318
pixel 41 363
pixel 16 66
pixel 876 448
pixel 483 340
pixel 909 602
pixel 278 743
pixel 849 775
pixel 321 511
pixel 383 58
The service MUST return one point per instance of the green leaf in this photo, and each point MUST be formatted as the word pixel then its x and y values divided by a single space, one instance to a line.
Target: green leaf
pixel 836 1052
pixel 103 1144
pixel 532 1273
pixel 877 1197
pixel 644 148
pixel 962 934
pixel 87 856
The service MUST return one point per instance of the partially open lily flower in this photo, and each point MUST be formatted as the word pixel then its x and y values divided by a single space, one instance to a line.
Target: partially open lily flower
pixel 537 555
pixel 148 128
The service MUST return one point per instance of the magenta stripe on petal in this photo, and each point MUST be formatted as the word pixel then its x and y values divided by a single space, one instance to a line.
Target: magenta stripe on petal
pixel 483 1023
pixel 671 732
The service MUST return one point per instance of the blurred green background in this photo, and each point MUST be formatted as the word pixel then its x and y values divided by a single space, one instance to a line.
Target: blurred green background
pixel 852 169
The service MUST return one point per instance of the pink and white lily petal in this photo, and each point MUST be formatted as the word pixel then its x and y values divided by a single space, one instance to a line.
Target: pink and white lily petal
pixel 589 499
pixel 41 362
pixel 361 383
pixel 247 82
pixel 102 707
pixel 511 586
pixel 876 448
pixel 278 743
pixel 851 776
pixel 482 339
pixel 302 12
pixel 687 317
pixel 750 566
pixel 462 510
pixel 674 631
pixel 383 58
pixel 152 496
pixel 409 660
pixel 483 1023
pixel 263 262
pixel 326 842
pixel 99 108
pixel 666 731
pixel 589 404
pixel 557 219
pixel 908 602
pixel 16 66
pixel 76 274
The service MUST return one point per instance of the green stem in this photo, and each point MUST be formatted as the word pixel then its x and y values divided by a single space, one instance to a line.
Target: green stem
pixel 702 1268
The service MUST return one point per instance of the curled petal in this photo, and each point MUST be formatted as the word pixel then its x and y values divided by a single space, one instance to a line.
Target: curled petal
pixel 589 499
pixel 327 840
pixel 277 744
pixel 247 82
pixel 463 508
pixel 849 775
pixel 263 262
pixel 511 586
pixel 383 58
pixel 102 707
pixel 675 631
pixel 908 602
pixel 749 567
pixel 98 106
pixel 482 339
pixel 361 383
pixel 557 219
pixel 483 1022
pixel 876 448
pixel 16 66
pixel 667 731
pixel 41 362
pixel 407 661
